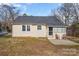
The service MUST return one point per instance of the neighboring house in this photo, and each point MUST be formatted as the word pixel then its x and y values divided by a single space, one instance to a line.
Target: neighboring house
pixel 38 26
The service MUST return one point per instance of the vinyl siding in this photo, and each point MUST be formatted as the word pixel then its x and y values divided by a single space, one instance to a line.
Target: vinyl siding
pixel 17 31
pixel 34 32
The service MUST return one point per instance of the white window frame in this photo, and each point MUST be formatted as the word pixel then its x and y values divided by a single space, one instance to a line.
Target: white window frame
pixel 23 28
pixel 28 27
pixel 39 27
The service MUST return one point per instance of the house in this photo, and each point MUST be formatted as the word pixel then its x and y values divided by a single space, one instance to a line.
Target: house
pixel 38 26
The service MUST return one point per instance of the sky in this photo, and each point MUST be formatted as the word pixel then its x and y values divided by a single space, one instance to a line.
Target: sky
pixel 37 9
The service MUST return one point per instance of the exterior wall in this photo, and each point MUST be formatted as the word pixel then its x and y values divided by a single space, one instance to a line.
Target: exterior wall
pixel 59 31
pixel 17 31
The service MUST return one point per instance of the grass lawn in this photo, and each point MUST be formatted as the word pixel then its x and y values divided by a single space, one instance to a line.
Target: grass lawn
pixel 75 39
pixel 33 47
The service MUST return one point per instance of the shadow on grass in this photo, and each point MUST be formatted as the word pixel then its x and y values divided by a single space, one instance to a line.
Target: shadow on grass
pixel 5 36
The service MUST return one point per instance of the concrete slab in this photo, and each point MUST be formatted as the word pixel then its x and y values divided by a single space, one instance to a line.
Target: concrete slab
pixel 62 42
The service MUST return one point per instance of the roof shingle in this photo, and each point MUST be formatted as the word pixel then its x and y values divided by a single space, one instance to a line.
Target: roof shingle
pixel 49 20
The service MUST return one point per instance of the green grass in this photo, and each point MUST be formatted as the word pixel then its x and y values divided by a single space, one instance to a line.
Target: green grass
pixel 30 46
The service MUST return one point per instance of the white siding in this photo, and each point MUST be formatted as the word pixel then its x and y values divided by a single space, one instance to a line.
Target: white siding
pixel 17 31
pixel 44 32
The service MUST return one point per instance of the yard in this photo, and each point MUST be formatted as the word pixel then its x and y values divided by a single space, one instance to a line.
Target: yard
pixel 33 47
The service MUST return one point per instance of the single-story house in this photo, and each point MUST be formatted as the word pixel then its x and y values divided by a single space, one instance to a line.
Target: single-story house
pixel 38 26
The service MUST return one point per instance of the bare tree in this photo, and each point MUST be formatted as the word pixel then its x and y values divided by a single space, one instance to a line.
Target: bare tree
pixel 68 13
pixel 7 15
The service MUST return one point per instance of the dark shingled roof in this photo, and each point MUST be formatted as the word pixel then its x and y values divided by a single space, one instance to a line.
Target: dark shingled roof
pixel 49 20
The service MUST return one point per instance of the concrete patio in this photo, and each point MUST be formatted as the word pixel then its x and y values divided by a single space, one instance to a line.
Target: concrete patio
pixel 62 42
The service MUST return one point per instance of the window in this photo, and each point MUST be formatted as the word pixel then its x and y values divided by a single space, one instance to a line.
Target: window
pixel 39 27
pixel 63 30
pixel 23 28
pixel 59 30
pixel 28 27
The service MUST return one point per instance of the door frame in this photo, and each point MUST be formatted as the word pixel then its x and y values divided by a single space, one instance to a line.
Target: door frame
pixel 50 31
